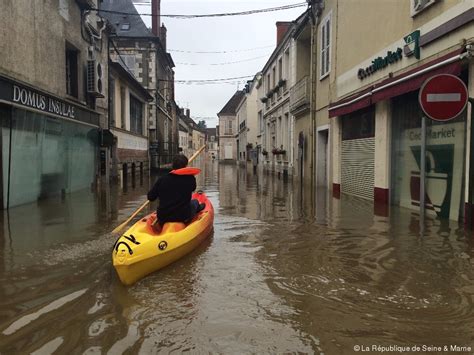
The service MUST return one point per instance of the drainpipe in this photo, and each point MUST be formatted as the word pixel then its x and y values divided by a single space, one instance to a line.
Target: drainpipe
pixel 315 9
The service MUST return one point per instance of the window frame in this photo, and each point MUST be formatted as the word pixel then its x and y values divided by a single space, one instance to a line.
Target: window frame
pixel 325 50
pixel 72 70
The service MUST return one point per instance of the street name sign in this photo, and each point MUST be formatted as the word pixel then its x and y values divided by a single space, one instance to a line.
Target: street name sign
pixel 443 97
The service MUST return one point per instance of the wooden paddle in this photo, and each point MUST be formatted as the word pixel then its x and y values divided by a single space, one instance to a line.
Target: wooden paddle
pixel 121 226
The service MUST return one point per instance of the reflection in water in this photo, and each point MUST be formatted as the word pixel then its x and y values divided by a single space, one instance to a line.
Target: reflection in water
pixel 283 272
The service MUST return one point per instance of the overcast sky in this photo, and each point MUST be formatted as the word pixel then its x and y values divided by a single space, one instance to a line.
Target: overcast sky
pixel 233 33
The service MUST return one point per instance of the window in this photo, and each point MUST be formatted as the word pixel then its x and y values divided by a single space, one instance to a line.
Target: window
pixel 125 27
pixel 112 102
pixel 129 61
pixel 280 69
pixel 122 107
pixel 273 78
pixel 136 115
pixel 268 82
pixel 166 134
pixel 71 71
pixel 325 54
pixel 261 122
pixel 359 124
pixel 418 6
pixel 64 9
pixel 228 127
pixel 287 64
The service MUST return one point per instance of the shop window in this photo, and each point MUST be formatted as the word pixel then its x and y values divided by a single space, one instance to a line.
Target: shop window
pixel 359 124
pixel 71 71
pixel 136 115
pixel 445 160
pixel 61 156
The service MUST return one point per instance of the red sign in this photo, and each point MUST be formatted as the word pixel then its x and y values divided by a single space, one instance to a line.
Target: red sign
pixel 443 97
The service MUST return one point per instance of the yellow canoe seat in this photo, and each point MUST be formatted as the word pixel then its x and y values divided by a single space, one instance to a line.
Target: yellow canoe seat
pixel 172 227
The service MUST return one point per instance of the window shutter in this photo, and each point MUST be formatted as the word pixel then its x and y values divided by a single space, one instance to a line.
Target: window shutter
pixel 323 43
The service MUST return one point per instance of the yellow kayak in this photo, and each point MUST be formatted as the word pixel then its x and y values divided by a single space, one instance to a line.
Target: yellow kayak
pixel 143 249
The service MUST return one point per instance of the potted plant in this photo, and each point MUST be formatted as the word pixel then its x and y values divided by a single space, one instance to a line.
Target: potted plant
pixel 264 153
pixel 264 99
pixel 281 83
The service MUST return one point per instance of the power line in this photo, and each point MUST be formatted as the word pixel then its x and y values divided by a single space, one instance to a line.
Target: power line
pixel 216 52
pixel 211 80
pixel 232 81
pixel 225 63
pixel 248 12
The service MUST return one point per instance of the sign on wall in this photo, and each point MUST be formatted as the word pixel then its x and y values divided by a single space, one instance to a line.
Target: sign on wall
pixel 27 97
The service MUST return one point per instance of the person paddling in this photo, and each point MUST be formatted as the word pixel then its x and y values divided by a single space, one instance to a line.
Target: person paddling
pixel 174 192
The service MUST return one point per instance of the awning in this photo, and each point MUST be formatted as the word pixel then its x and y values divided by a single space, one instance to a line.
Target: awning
pixel 353 103
pixel 406 82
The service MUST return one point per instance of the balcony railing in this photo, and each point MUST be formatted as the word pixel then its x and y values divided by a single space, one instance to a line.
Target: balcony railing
pixel 299 96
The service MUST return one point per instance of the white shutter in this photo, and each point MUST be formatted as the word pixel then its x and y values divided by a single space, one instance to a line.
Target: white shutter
pixel 357 167
pixel 325 54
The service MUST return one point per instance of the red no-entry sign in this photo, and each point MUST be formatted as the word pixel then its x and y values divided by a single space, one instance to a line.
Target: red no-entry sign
pixel 443 97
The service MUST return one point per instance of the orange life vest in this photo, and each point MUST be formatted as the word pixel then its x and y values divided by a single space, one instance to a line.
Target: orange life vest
pixel 186 171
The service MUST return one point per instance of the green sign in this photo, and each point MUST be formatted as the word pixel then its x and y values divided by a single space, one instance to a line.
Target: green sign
pixel 412 41
pixel 380 63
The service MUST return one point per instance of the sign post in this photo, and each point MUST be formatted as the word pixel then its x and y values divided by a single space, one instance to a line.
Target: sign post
pixel 422 175
pixel 442 98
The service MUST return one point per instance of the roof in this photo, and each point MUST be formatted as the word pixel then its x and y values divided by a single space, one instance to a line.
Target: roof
pixel 230 107
pixel 182 128
pixel 136 26
pixel 124 73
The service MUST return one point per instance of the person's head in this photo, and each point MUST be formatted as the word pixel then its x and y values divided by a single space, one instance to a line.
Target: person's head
pixel 180 161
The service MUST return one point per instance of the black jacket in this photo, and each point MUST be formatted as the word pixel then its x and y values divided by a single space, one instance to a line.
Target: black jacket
pixel 174 193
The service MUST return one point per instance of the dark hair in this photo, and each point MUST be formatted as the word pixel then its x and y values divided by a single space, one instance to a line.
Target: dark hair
pixel 180 161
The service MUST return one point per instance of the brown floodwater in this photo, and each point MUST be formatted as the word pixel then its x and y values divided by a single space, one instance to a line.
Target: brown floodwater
pixel 281 273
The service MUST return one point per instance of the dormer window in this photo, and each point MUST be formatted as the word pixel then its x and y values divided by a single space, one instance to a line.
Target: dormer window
pixel 125 27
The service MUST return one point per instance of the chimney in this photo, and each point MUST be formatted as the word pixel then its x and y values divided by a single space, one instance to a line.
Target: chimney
pixel 155 17
pixel 282 28
pixel 163 36
pixel 187 113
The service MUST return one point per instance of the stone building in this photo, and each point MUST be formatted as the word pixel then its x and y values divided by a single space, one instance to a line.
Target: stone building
pixel 368 100
pixel 53 99
pixel 228 128
pixel 278 155
pixel 247 120
pixel 128 110
pixel 211 143
pixel 143 52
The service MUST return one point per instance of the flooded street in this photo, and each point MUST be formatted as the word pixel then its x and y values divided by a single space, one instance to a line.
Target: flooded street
pixel 280 273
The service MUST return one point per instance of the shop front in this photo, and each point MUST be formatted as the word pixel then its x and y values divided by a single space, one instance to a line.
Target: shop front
pixel 49 145
pixel 380 143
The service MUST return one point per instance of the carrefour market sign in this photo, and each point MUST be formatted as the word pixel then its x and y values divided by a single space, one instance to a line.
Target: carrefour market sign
pixel 380 63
